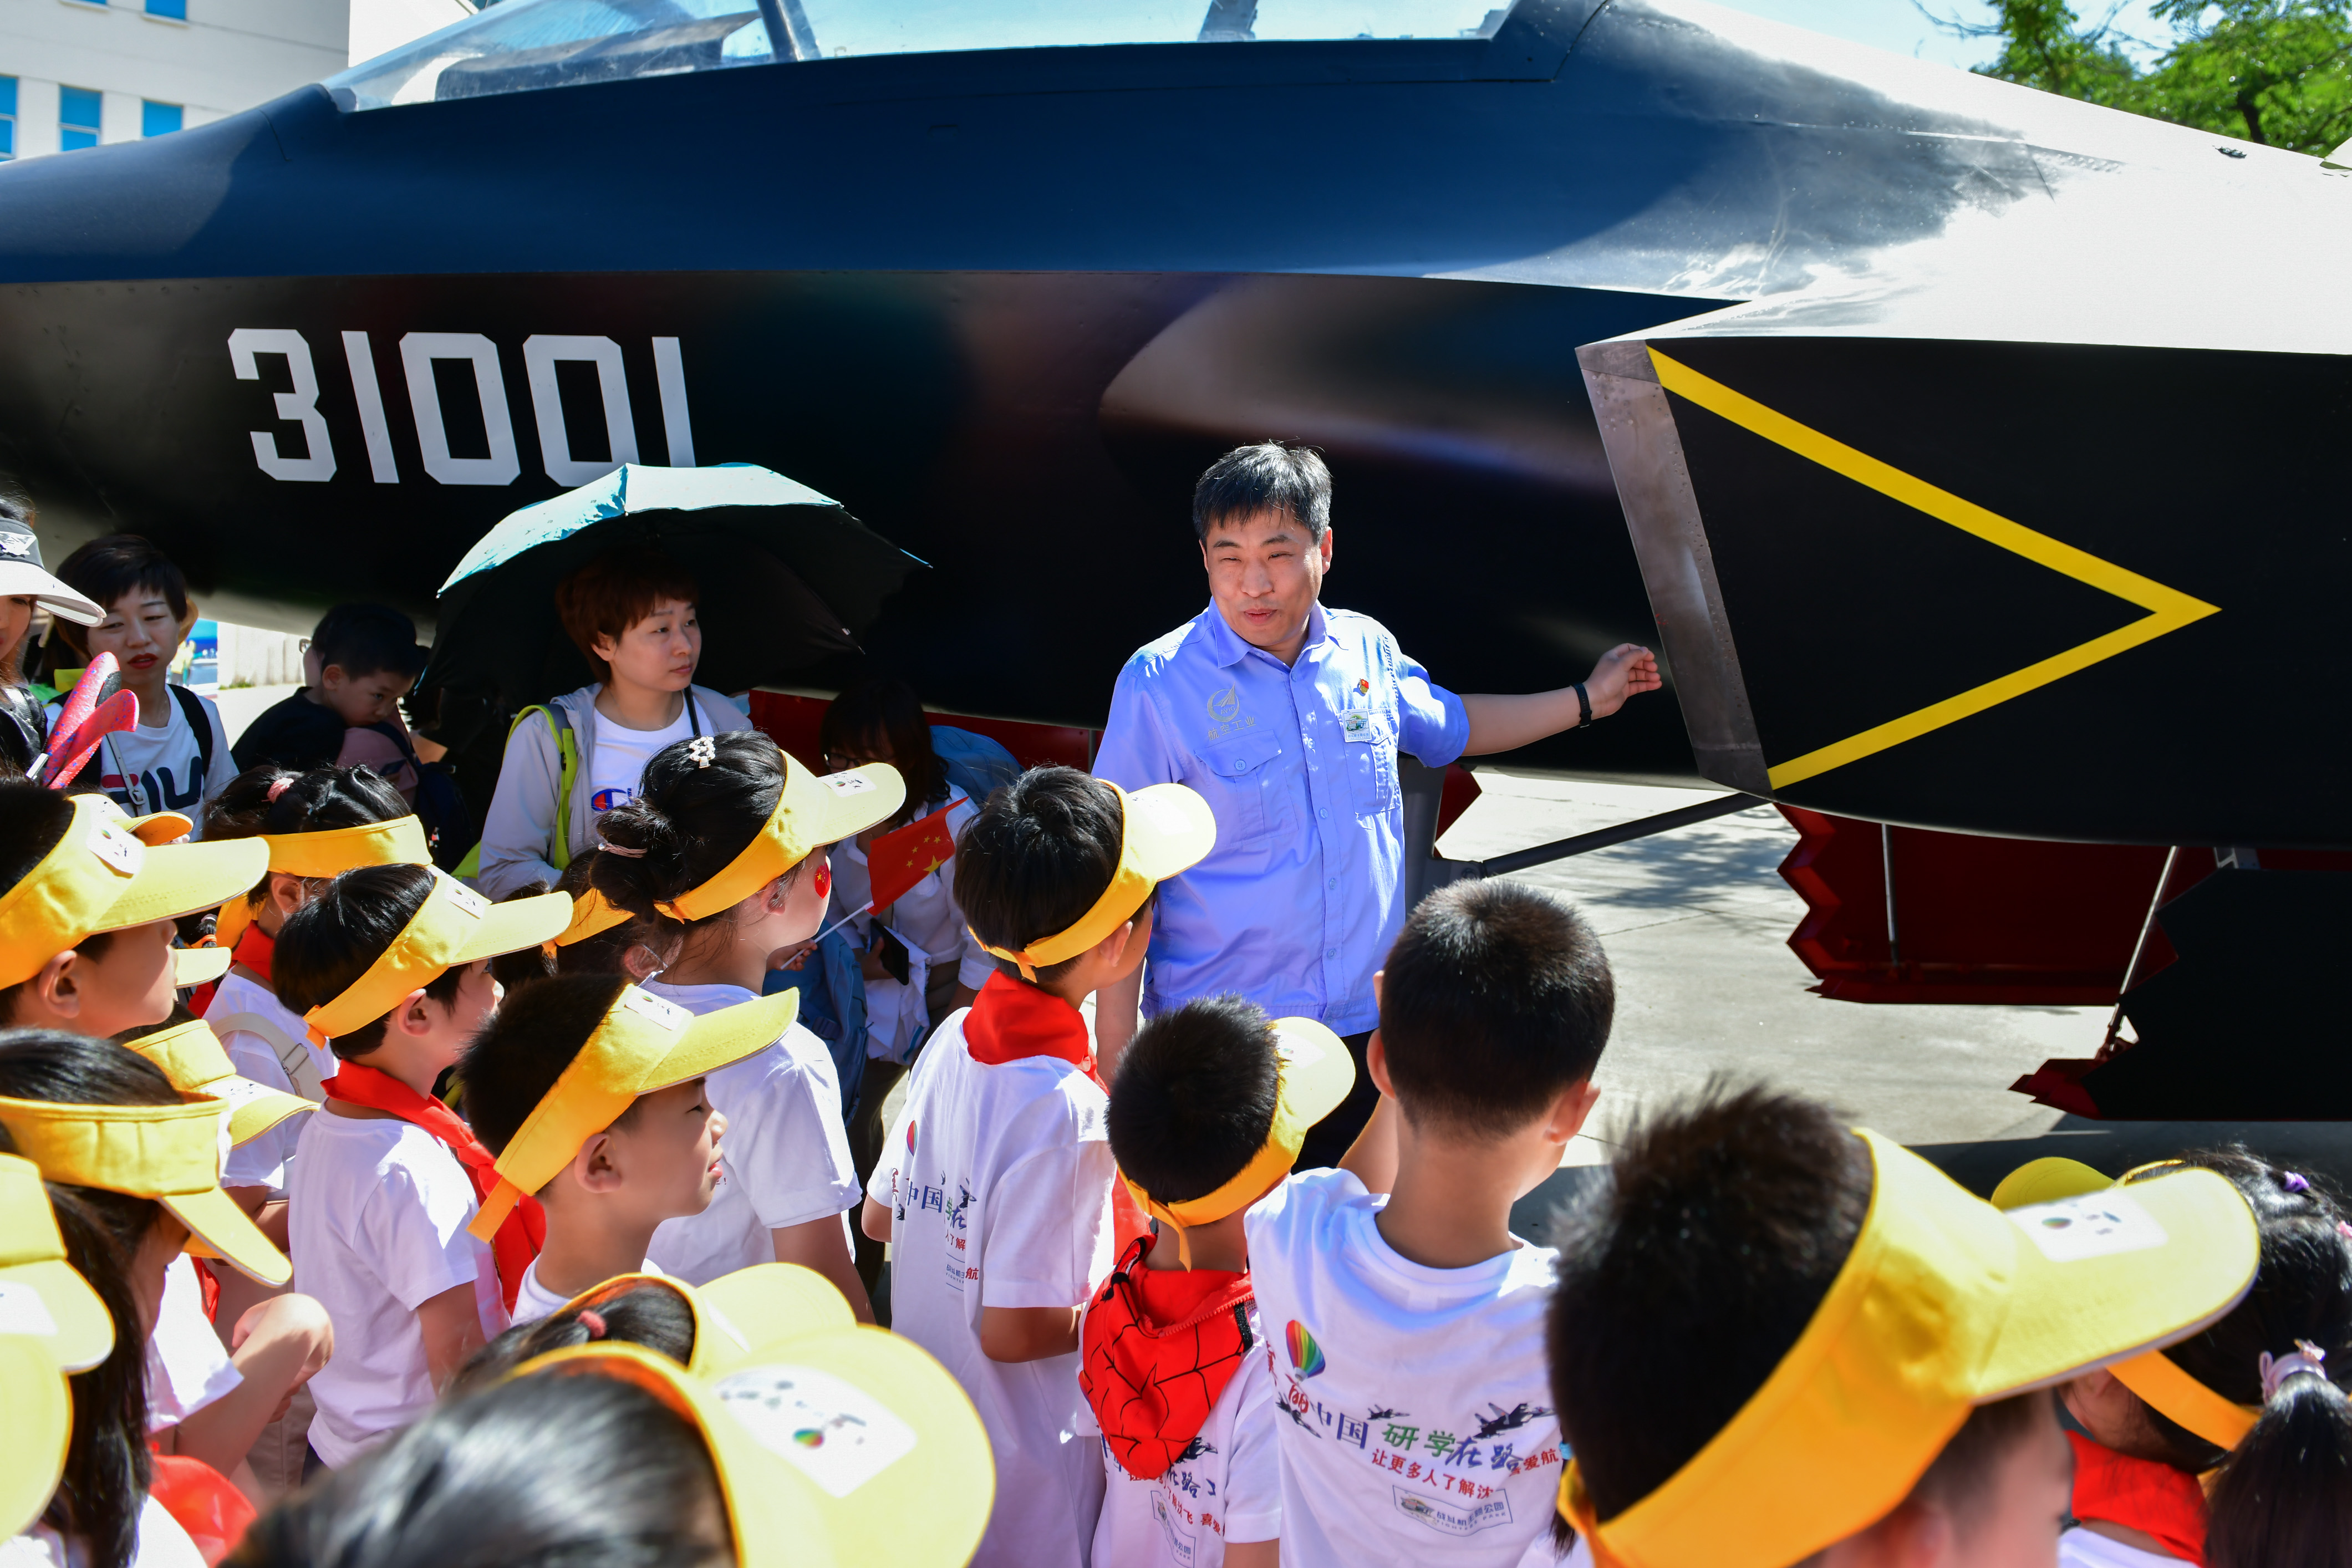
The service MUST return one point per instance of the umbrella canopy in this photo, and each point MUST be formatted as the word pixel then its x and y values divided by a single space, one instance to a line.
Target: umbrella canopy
pixel 786 577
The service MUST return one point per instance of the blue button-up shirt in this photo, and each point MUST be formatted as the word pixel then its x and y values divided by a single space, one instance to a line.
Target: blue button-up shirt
pixel 1297 904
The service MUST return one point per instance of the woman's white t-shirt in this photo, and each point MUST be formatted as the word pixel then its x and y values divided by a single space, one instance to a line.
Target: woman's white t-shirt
pixel 376 1213
pixel 1418 1423
pixel 263 1159
pixel 783 1158
pixel 622 753
pixel 186 1367
pixel 2080 1548
pixel 155 768
pixel 163 1543
pixel 1225 1489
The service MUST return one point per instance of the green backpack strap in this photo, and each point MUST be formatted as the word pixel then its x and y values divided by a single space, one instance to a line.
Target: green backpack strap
pixel 567 749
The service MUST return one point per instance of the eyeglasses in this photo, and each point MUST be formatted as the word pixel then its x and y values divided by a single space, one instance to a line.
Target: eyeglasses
pixel 839 762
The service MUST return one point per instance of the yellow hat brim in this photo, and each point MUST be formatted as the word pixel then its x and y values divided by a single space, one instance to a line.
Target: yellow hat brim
pixel 737 1313
pixel 517 924
pixel 2046 1180
pixel 826 808
pixel 2105 1276
pixel 218 1228
pixel 1169 830
pixel 254 1108
pixel 48 1302
pixel 175 879
pixel 199 966
pixel 719 1039
pixel 33 1437
pixel 1318 1073
pixel 161 828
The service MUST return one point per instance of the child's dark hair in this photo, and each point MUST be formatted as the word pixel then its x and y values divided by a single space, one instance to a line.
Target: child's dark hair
pixel 1495 998
pixel 2284 1492
pixel 270 799
pixel 577 1469
pixel 650 1313
pixel 887 706
pixel 691 821
pixel 32 817
pixel 524 1048
pixel 105 570
pixel 328 944
pixel 106 1468
pixel 1723 1223
pixel 1036 859
pixel 366 639
pixel 1194 1098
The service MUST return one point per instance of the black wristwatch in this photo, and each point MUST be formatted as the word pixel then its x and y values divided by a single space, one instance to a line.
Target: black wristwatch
pixel 1583 706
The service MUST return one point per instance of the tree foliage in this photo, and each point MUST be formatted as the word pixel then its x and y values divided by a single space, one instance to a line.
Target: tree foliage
pixel 2278 72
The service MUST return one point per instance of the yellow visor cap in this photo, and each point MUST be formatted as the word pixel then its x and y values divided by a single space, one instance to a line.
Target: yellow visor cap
pixel 591 916
pixel 454 925
pixel 1315 1074
pixel 643 1043
pixel 171 1153
pixel 2156 1377
pixel 1164 829
pixel 192 1057
pixel 160 828
pixel 812 811
pixel 848 1448
pixel 1945 1303
pixel 199 966
pixel 736 1313
pixel 42 1297
pixel 330 852
pixel 34 1439
pixel 100 878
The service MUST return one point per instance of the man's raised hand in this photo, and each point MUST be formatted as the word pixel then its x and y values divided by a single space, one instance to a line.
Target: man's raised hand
pixel 1625 670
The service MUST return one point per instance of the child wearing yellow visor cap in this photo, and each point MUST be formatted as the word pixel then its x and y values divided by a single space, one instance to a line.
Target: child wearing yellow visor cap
pixel 995 1184
pixel 86 914
pixel 821 1444
pixel 130 1167
pixel 389 965
pixel 52 1324
pixel 2233 1446
pixel 723 845
pixel 1774 1337
pixel 1207 1114
pixel 590 1092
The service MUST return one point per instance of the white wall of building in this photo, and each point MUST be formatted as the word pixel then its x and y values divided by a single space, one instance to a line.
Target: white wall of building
pixel 380 26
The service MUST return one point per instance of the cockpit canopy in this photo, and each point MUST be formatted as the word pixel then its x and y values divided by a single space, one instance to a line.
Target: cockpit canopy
pixel 522 45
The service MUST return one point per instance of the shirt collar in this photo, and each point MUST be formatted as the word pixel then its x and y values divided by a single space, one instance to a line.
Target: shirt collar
pixel 1227 649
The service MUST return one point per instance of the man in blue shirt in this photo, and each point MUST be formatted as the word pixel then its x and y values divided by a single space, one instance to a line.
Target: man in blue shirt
pixel 1288 718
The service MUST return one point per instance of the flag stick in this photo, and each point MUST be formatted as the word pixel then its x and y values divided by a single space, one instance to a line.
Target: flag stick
pixel 841 922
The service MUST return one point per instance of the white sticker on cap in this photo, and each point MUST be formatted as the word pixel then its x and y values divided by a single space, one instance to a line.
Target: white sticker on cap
pixel 839 1437
pixel 119 850
pixel 465 900
pixel 1289 1048
pixel 668 1014
pixel 2096 1225
pixel 847 783
pixel 1163 813
pixel 22 1311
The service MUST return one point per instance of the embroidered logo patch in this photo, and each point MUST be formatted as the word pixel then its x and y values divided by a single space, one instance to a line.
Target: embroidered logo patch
pixel 657 1010
pixel 15 546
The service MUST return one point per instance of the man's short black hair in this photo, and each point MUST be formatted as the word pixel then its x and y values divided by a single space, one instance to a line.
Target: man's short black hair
pixel 1037 857
pixel 1194 1098
pixel 1272 476
pixel 1495 998
pixel 328 944
pixel 364 639
pixel 524 1048
pixel 1723 1223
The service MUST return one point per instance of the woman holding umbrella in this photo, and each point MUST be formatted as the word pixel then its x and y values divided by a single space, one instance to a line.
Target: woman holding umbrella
pixel 632 615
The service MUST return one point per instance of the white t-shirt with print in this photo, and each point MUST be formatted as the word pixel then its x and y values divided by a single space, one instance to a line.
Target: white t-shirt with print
pixel 186 1367
pixel 618 765
pixel 2080 1548
pixel 376 1215
pixel 161 768
pixel 162 1543
pixel 534 1300
pixel 1226 1488
pixel 998 1181
pixel 263 1160
pixel 1417 1422
pixel 783 1158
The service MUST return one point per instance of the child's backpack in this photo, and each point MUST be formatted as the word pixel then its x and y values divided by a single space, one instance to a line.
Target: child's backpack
pixel 977 766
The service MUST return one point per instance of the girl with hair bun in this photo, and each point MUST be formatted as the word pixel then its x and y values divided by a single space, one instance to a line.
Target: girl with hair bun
pixel 724 843
pixel 2233 1448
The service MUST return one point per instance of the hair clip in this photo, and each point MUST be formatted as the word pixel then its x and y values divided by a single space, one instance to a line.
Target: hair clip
pixel 2344 1229
pixel 2276 1370
pixel 703 748
pixel 278 786
pixel 622 850
pixel 2293 1182
pixel 594 1321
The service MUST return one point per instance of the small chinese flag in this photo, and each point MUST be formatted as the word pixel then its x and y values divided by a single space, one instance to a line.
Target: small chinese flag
pixel 898 861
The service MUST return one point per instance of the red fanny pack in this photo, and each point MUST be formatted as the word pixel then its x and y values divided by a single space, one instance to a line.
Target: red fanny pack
pixel 1159 1347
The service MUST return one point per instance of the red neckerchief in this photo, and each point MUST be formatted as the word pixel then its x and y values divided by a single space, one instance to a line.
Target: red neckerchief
pixel 254 948
pixel 519 1239
pixel 2147 1496
pixel 1011 1021
pixel 1158 1348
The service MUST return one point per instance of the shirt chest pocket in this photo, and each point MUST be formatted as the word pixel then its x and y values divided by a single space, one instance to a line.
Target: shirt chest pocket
pixel 1371 764
pixel 1250 789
